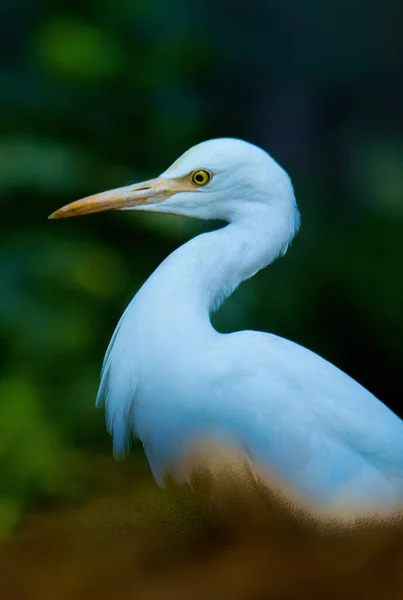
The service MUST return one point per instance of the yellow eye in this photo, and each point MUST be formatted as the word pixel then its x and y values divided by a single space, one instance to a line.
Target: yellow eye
pixel 201 177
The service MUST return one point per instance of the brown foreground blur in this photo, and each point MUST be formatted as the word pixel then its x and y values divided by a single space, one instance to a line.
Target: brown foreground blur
pixel 224 536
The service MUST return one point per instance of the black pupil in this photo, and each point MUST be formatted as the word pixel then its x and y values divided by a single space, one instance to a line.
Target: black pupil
pixel 199 178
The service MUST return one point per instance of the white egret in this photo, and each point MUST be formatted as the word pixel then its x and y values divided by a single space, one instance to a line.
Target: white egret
pixel 169 377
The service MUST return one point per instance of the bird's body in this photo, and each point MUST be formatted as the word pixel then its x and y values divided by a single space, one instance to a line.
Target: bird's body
pixel 169 377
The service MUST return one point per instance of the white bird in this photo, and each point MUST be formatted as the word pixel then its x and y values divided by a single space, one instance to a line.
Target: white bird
pixel 169 377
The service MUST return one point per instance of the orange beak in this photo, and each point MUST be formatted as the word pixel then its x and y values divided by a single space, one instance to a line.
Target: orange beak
pixel 149 192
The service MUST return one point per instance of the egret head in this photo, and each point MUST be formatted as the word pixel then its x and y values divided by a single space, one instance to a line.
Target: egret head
pixel 218 179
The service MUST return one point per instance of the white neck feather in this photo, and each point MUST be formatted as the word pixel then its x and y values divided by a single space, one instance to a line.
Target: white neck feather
pixel 172 309
pixel 201 274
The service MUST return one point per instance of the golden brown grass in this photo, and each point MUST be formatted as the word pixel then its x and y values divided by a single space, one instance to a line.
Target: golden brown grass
pixel 224 537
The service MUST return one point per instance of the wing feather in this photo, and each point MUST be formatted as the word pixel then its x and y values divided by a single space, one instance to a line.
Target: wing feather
pixel 117 389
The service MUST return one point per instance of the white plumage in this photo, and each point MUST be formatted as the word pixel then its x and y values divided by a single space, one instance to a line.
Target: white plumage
pixel 169 377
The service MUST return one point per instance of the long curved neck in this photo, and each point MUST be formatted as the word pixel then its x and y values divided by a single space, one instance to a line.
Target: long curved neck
pixel 202 273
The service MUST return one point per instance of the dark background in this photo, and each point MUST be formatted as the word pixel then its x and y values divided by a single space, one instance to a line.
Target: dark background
pixel 95 95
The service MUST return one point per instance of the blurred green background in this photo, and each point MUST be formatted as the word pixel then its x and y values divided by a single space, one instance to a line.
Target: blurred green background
pixel 95 95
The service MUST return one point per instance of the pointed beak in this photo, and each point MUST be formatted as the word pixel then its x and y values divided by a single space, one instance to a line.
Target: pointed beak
pixel 149 192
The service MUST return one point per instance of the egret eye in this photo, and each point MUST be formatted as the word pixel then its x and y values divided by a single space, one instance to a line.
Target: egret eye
pixel 201 177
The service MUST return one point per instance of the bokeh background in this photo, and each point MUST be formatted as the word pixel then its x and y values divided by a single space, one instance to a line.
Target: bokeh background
pixel 96 94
